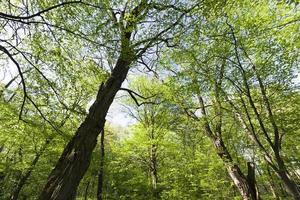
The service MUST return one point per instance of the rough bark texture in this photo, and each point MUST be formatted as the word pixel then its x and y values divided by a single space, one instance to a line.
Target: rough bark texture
pixel 101 169
pixel 75 159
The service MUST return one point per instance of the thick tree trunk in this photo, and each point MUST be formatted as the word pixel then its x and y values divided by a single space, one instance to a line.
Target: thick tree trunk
pixel 101 169
pixel 75 159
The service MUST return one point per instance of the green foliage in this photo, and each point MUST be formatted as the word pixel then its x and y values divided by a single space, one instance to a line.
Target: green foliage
pixel 216 51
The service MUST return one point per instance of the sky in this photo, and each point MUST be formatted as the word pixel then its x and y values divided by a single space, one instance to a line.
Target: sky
pixel 117 113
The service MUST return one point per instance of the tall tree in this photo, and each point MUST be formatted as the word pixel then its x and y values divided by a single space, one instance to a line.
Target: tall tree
pixel 75 159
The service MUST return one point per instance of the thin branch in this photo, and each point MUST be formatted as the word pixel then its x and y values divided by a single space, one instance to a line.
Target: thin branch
pixel 248 92
pixel 134 94
pixel 3 49
pixel 12 17
pixel 157 37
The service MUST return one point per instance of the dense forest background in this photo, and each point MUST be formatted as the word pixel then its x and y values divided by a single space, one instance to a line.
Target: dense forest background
pixel 149 99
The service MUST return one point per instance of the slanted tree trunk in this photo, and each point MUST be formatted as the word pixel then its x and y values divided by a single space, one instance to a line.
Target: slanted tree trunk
pixel 275 162
pixel 101 169
pixel 275 144
pixel 75 159
pixel 234 170
pixel 289 184
pixel 24 178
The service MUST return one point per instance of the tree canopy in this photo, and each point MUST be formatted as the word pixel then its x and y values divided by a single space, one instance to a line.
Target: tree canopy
pixel 207 91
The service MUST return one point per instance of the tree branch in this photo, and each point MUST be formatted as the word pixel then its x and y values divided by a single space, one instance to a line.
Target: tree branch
pixel 4 50
pixel 12 17
pixel 134 94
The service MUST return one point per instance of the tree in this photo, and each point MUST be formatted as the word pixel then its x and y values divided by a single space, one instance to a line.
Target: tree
pixel 220 95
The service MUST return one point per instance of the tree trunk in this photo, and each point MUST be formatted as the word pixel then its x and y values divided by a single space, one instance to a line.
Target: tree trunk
pixel 251 180
pixel 283 174
pixel 234 171
pixel 153 170
pixel 22 181
pixel 24 178
pixel 101 170
pixel 75 159
pixel 290 185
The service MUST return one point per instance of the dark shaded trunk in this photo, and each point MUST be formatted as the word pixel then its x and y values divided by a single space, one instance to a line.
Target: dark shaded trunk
pixel 101 169
pixel 75 159
pixel 24 178
pixel 282 172
pixel 251 180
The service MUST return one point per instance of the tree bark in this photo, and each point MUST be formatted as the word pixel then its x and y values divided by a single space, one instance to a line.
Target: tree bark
pixel 75 159
pixel 281 170
pixel 153 170
pixel 234 170
pixel 101 169
pixel 251 180
pixel 289 184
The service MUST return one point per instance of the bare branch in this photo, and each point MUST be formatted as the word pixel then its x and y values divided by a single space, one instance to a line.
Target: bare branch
pixel 134 94
pixel 12 17
pixel 3 49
